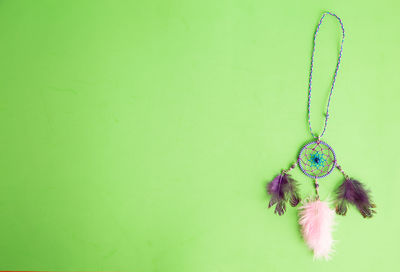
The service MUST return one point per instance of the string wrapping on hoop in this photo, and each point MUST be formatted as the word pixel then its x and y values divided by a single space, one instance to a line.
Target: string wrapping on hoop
pixel 334 76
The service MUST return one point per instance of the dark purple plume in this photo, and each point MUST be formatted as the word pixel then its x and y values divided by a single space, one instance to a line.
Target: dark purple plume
pixel 353 192
pixel 282 188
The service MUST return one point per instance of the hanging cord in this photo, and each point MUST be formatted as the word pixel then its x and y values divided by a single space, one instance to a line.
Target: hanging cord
pixel 316 188
pixel 341 170
pixel 334 77
pixel 285 171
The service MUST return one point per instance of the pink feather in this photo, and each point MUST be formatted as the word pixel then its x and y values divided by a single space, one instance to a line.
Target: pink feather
pixel 316 220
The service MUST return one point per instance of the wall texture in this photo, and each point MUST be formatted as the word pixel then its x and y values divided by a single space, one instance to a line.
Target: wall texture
pixel 140 135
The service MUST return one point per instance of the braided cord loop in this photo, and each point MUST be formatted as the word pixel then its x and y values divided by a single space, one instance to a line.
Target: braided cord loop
pixel 334 76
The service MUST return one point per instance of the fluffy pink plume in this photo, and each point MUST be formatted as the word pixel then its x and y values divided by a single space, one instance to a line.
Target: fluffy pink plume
pixel 316 220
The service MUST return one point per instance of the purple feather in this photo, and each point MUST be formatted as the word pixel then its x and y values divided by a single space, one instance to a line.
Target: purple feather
pixel 282 188
pixel 353 192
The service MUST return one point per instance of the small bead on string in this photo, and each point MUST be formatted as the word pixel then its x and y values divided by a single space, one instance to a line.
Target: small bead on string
pixel 316 188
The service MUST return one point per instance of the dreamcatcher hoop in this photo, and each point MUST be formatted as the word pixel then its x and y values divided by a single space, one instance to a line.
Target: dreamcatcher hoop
pixel 317 159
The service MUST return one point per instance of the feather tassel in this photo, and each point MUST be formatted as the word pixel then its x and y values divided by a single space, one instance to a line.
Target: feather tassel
pixel 282 188
pixel 353 192
pixel 317 220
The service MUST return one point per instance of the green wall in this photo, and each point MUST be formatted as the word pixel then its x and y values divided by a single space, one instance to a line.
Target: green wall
pixel 140 135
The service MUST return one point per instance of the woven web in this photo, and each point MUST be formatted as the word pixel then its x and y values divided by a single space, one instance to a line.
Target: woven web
pixel 317 159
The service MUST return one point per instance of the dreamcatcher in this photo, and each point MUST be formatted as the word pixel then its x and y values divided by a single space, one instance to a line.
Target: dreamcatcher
pixel 317 160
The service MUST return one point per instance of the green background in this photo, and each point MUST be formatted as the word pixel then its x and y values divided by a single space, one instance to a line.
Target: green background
pixel 140 135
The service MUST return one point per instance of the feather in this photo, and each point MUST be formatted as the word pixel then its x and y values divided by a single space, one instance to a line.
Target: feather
pixel 317 220
pixel 353 192
pixel 282 188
